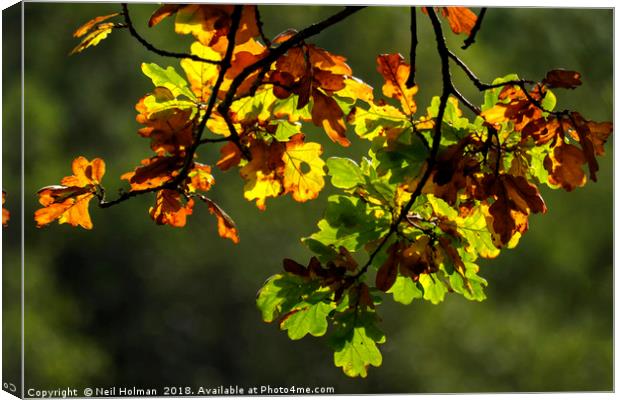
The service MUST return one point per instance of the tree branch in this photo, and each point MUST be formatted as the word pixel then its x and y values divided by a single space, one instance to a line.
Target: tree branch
pixel 150 47
pixel 471 39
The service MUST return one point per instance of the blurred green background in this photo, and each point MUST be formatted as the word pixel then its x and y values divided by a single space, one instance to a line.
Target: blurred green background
pixel 132 303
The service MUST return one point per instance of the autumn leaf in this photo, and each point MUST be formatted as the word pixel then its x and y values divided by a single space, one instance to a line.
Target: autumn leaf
pixel 592 137
pixel 6 215
pixel 82 30
pixel 154 172
pixel 461 19
pixel 395 72
pixel 170 210
pixel 386 276
pixel 200 178
pixel 209 23
pixel 560 78
pixel 303 169
pixel 226 227
pixel 68 203
pixel 327 114
pixel 564 165
pixel 230 156
pixel 170 131
pixel 163 12
pixel 262 173
pixel 515 198
pixel 201 75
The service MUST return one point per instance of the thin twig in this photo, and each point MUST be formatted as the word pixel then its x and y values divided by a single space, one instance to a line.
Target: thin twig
pixel 471 39
pixel 150 47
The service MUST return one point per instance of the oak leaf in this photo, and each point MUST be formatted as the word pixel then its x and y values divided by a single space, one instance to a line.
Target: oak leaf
pixel 395 72
pixel 303 169
pixel 68 202
pixel 169 209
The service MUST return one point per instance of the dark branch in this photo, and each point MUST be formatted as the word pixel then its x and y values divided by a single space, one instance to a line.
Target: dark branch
pixel 150 47
pixel 215 140
pixel 412 51
pixel 471 39
pixel 123 196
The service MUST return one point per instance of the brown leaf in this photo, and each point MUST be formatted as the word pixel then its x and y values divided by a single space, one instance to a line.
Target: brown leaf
pixel 169 209
pixel 226 227
pixel 154 172
pixel 564 165
pixel 326 113
pixel 386 276
pixel 560 78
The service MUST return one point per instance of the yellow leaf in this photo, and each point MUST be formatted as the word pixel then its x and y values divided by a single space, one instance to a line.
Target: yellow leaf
pixel 201 75
pixel 303 169
pixel 94 37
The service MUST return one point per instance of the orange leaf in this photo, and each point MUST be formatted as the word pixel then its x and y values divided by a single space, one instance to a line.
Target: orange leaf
pixel 82 30
pixel 5 213
pixel 169 210
pixel 164 12
pixel 564 165
pixel 154 172
pixel 85 172
pixel 169 131
pixel 461 19
pixel 395 72
pixel 226 227
pixel 230 155
pixel 327 114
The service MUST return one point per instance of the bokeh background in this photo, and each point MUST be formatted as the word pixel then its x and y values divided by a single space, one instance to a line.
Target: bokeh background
pixel 131 303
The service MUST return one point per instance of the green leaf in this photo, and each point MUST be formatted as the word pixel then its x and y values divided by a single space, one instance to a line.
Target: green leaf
pixel 434 289
pixel 285 130
pixel 549 101
pixel 345 172
pixel 163 100
pixel 475 230
pixel 281 293
pixel 350 222
pixel 307 319
pixel 255 107
pixel 471 286
pixel 405 290
pixel 355 343
pixel 401 160
pixel 169 79
pixel 288 108
pixel 373 122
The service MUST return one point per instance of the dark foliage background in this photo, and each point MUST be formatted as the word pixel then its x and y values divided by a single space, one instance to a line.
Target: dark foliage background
pixel 132 303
